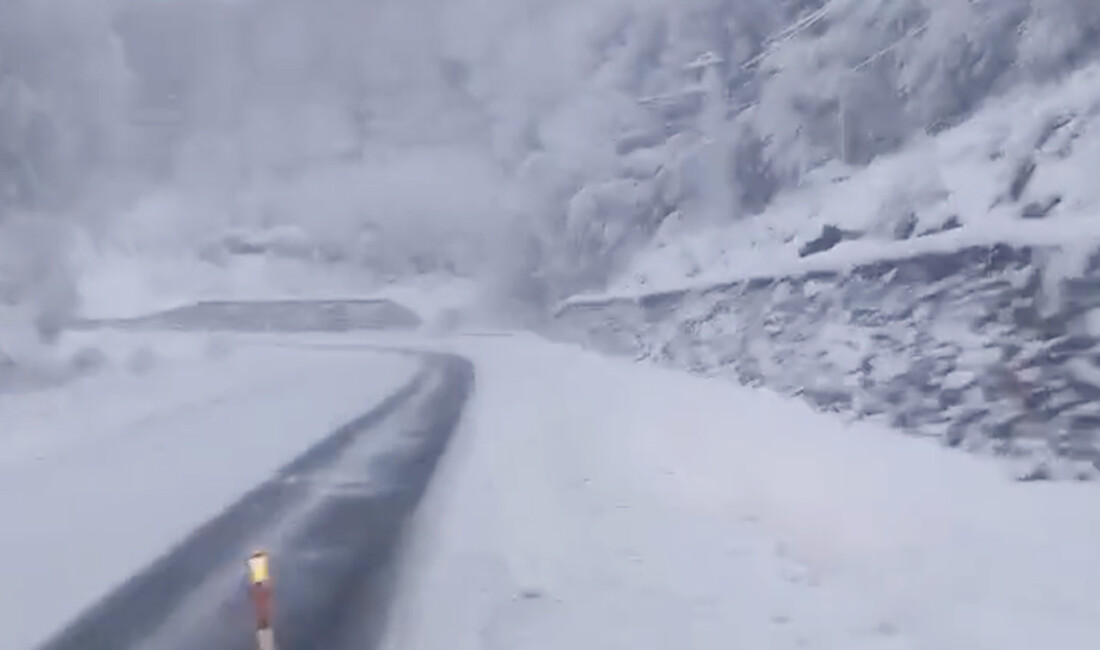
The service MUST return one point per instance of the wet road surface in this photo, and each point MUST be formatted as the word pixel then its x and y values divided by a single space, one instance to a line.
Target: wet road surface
pixel 332 522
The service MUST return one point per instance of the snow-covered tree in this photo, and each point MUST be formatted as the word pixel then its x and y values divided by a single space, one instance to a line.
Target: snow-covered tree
pixel 582 126
pixel 61 108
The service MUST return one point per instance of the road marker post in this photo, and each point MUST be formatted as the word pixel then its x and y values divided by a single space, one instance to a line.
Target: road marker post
pixel 259 574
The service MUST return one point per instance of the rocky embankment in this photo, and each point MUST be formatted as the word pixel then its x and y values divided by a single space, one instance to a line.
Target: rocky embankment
pixel 984 348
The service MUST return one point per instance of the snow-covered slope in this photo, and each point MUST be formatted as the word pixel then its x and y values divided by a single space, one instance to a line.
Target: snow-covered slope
pixel 101 476
pixel 1021 171
pixel 949 289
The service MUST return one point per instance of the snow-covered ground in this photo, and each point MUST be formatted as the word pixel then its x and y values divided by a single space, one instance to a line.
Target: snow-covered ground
pixel 586 502
pixel 966 175
pixel 101 476
pixel 592 503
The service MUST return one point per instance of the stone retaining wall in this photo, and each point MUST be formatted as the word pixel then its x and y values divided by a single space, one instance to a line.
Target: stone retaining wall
pixel 981 348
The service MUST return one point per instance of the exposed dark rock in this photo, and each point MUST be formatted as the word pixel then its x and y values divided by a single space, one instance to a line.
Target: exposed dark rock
pixel 951 224
pixel 829 400
pixel 830 236
pixel 1020 180
pixel 1050 127
pixel 951 397
pixel 1040 209
pixel 658 306
pixel 1039 472
pixel 905 228
pixel 1073 344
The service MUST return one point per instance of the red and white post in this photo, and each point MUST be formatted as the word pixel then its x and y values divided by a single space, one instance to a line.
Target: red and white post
pixel 259 574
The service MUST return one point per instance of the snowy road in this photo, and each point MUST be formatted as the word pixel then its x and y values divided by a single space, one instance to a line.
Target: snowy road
pixel 330 520
pixel 593 503
pixel 102 476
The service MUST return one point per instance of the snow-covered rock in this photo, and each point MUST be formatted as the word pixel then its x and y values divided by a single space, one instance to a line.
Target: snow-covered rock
pixel 969 346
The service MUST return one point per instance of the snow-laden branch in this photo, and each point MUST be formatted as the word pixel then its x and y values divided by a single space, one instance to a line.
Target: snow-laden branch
pixel 890 48
pixel 773 43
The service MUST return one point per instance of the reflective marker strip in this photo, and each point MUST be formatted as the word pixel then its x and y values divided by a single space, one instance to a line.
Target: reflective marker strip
pixel 260 577
pixel 265 639
pixel 258 568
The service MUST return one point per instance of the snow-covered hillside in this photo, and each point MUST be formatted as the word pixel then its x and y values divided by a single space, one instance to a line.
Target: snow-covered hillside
pixel 1021 171
pixel 948 288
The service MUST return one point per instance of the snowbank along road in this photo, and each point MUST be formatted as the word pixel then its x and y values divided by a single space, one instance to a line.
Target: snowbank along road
pixel 331 520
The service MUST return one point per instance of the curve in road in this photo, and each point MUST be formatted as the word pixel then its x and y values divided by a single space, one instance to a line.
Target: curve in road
pixel 331 521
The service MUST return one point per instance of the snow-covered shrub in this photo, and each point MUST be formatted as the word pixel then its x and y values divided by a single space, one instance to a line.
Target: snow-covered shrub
pixel 37 293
